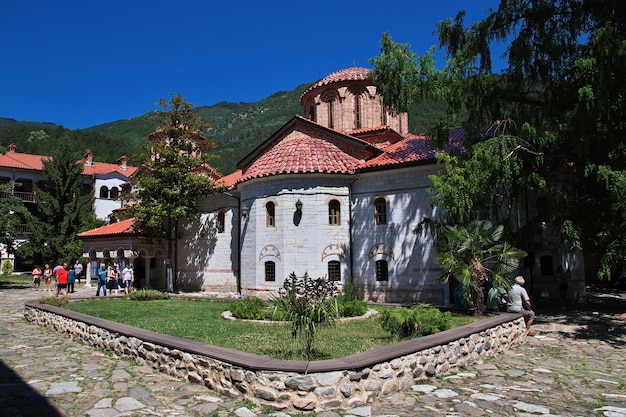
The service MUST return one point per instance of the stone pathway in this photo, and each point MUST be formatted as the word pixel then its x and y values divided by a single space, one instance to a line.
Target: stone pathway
pixel 575 365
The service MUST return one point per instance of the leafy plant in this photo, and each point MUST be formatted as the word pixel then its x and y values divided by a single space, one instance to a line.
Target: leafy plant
pixel 422 320
pixel 7 267
pixel 55 301
pixel 307 303
pixel 148 295
pixel 250 308
pixel 351 308
pixel 475 255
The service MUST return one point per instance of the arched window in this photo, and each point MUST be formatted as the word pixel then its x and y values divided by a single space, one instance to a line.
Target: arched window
pixel 380 210
pixel 114 193
pixel 334 213
pixel 220 221
pixel 104 192
pixel 547 267
pixel 270 271
pixel 334 271
pixel 382 271
pixel 331 123
pixel 357 111
pixel 270 218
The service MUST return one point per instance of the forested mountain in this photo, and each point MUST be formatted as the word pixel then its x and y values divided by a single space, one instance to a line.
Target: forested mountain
pixel 237 128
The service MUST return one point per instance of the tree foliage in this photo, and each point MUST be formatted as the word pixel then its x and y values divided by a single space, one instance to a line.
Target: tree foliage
pixel 168 185
pixel 62 210
pixel 548 128
pixel 475 255
pixel 13 214
pixel 178 172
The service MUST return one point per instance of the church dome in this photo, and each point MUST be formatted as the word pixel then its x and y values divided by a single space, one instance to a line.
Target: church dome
pixel 346 101
pixel 347 74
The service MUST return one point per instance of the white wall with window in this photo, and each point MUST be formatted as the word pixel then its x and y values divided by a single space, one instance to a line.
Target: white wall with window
pixel 294 224
pixel 107 194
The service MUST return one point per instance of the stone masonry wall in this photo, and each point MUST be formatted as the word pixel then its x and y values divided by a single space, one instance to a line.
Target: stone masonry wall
pixel 291 385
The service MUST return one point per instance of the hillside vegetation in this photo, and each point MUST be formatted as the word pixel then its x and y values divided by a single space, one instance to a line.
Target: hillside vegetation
pixel 237 128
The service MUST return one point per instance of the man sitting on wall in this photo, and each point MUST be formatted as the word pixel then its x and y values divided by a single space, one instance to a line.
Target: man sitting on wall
pixel 519 302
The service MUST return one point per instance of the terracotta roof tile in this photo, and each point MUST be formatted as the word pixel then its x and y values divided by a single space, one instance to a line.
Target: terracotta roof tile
pixel 413 149
pixel 22 161
pixel 123 227
pixel 230 180
pixel 301 155
pixel 27 161
pixel 101 168
pixel 347 74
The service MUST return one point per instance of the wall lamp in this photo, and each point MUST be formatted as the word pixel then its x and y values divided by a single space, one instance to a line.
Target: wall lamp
pixel 244 212
pixel 298 205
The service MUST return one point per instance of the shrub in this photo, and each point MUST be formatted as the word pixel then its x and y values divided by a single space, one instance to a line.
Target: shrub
pixel 422 320
pixel 308 304
pixel 55 301
pixel 352 289
pixel 7 267
pixel 351 308
pixel 249 308
pixel 148 295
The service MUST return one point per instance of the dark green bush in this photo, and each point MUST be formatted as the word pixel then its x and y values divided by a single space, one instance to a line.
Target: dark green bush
pixel 54 301
pixel 406 323
pixel 249 308
pixel 351 308
pixel 148 295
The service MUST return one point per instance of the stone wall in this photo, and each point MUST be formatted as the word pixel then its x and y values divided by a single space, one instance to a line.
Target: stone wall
pixel 292 385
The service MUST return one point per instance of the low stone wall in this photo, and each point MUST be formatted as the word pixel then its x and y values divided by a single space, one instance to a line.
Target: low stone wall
pixel 348 382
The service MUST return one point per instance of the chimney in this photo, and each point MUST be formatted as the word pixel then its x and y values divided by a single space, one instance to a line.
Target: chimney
pixel 89 158
pixel 121 161
pixel 12 147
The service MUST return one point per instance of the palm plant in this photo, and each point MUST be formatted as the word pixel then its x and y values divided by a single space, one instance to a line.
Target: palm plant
pixel 475 255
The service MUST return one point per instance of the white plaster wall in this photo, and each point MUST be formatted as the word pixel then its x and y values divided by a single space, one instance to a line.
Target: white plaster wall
pixel 412 270
pixel 104 207
pixel 207 259
pixel 296 244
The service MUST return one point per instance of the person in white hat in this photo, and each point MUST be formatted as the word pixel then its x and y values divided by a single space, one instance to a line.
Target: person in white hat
pixel 519 302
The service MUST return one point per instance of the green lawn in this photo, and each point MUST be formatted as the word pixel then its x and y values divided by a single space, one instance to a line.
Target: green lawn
pixel 200 321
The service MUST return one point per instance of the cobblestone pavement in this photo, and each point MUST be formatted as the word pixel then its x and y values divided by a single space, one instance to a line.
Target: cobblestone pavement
pixel 575 365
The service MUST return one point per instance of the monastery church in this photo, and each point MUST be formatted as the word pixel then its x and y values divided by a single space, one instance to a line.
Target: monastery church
pixel 334 193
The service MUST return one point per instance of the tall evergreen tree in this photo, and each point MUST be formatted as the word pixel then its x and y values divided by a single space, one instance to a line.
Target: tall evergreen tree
pixel 62 211
pixel 168 185
pixel 13 214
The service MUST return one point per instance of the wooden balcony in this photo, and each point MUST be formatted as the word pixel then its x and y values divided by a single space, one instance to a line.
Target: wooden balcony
pixel 26 197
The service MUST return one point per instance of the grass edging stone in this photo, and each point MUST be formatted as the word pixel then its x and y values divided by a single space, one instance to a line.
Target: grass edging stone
pixel 347 382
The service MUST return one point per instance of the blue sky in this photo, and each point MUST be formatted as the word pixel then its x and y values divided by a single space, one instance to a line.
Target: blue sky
pixel 84 63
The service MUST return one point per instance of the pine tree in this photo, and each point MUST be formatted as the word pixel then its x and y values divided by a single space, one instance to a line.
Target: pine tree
pixel 62 211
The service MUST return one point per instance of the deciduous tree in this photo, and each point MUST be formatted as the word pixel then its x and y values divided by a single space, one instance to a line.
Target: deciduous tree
pixel 176 174
pixel 548 128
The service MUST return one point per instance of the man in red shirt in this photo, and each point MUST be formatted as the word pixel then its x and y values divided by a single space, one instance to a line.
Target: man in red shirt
pixel 61 275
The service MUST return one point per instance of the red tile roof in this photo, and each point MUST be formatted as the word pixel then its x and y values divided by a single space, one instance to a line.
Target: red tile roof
pixel 413 149
pixel 27 161
pixel 101 168
pixel 123 227
pixel 22 161
pixel 347 74
pixel 299 155
pixel 230 180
